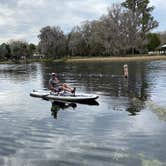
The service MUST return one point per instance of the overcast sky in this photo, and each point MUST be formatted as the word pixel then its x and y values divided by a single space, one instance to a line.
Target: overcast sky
pixel 23 19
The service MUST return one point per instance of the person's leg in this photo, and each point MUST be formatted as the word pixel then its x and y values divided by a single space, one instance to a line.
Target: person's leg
pixel 68 88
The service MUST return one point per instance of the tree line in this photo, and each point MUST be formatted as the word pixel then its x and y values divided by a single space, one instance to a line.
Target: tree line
pixel 16 49
pixel 124 29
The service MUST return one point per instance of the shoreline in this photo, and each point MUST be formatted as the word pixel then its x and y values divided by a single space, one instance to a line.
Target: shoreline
pixel 93 59
pixel 117 59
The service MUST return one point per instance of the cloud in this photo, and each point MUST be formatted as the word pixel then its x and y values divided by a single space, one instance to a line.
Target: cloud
pixel 159 13
pixel 158 3
pixel 30 3
pixel 23 19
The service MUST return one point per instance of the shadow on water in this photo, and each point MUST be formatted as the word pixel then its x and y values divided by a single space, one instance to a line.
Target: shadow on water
pixel 89 102
pixel 62 105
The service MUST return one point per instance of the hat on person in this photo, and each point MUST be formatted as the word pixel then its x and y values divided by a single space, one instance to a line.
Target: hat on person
pixel 53 74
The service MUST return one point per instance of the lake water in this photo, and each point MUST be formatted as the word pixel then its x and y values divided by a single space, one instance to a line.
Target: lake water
pixel 126 127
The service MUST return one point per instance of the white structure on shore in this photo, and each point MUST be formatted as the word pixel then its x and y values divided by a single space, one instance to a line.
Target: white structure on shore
pixel 38 56
pixel 160 50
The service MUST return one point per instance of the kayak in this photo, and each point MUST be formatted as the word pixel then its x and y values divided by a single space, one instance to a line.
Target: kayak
pixel 40 93
pixel 63 96
pixel 72 98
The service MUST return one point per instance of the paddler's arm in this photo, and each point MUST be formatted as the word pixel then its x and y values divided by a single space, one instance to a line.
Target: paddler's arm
pixel 51 87
pixel 58 82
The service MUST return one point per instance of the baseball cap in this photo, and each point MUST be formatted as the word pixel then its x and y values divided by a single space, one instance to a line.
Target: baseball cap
pixel 53 74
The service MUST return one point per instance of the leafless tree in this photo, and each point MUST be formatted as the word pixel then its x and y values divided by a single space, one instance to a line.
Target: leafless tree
pixel 52 42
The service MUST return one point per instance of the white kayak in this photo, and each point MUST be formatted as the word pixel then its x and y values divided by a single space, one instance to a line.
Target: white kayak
pixel 40 93
pixel 64 96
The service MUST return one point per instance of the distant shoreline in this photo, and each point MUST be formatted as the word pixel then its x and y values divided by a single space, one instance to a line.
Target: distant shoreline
pixel 93 59
pixel 116 59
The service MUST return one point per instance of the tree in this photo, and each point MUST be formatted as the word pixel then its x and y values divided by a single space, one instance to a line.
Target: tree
pixel 32 48
pixel 96 42
pixel 76 42
pixel 162 36
pixel 141 9
pixel 19 49
pixel 113 30
pixel 85 40
pixel 119 31
pixel 153 41
pixel 52 42
pixel 142 21
pixel 5 52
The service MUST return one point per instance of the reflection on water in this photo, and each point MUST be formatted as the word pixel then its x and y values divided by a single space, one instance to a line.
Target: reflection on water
pixel 135 106
pixel 126 126
pixel 59 105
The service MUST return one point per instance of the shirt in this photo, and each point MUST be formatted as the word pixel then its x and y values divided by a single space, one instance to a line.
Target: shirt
pixel 54 83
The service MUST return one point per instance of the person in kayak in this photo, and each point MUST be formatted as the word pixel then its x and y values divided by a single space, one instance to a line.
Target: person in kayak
pixel 55 85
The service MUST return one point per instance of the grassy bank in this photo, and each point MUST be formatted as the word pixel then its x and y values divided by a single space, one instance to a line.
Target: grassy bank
pixel 93 59
pixel 117 59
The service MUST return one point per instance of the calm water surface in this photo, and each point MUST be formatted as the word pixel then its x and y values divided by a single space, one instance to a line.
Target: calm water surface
pixel 126 127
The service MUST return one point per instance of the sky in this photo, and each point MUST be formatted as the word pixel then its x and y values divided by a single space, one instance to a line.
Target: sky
pixel 23 19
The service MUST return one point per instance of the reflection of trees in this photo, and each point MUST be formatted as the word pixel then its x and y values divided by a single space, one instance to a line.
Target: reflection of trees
pixel 22 72
pixel 137 88
pixel 160 111
pixel 135 105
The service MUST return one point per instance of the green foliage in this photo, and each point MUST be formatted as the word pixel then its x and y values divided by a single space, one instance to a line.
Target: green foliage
pixel 130 4
pixel 153 41
pixel 19 49
pixel 5 51
pixel 142 10
pixel 16 49
pixel 32 47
